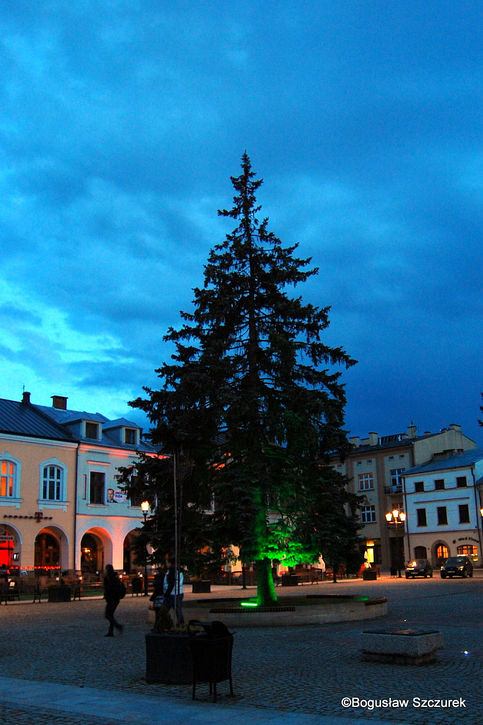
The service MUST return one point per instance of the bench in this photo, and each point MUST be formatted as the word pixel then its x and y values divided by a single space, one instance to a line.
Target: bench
pixel 402 646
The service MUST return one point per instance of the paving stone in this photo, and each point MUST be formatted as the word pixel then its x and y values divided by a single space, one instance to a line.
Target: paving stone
pixel 306 669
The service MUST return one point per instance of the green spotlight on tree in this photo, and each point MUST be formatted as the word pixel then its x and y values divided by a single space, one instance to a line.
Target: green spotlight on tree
pixel 249 604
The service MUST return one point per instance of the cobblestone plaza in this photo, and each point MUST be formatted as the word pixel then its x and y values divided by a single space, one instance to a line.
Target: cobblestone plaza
pixel 289 674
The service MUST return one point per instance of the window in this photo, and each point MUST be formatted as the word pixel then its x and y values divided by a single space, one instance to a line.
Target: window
pixel 468 550
pixel 420 552
pixel 439 484
pixel 368 514
pixel 53 483
pixel 442 553
pixel 419 487
pixel 130 436
pixel 96 489
pixel 464 513
pixel 8 477
pixel 421 517
pixel 442 516
pixel 396 480
pixel 92 430
pixel 461 481
pixel 366 482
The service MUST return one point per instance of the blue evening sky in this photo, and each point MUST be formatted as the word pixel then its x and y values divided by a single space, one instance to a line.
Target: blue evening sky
pixel 121 122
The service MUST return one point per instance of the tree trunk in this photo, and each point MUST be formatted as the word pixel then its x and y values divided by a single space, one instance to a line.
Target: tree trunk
pixel 265 587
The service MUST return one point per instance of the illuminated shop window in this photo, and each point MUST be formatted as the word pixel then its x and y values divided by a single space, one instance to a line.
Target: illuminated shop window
pixel 468 550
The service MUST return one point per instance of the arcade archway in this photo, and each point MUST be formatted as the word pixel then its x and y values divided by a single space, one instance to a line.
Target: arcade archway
pixel 96 552
pixel 9 547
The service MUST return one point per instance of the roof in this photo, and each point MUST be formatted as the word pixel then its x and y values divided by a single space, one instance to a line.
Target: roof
pixel 24 419
pixel 468 458
pixel 120 423
pixel 66 417
pixel 62 416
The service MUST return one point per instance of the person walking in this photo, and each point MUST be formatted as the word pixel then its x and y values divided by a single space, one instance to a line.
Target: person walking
pixel 173 591
pixel 114 591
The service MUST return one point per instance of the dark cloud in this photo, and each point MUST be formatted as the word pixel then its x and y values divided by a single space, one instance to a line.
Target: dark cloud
pixel 121 124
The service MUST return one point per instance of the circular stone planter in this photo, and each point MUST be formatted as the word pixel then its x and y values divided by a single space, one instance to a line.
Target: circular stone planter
pixel 313 609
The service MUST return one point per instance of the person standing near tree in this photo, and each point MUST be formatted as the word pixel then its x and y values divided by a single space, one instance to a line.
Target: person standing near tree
pixel 114 591
pixel 157 597
pixel 173 591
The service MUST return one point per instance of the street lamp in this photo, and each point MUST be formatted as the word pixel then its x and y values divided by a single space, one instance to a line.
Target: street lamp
pixel 394 518
pixel 145 506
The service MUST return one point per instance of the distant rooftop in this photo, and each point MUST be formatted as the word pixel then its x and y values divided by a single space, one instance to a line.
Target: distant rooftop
pixel 457 461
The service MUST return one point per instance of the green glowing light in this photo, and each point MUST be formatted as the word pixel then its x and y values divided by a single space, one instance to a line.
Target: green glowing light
pixel 249 604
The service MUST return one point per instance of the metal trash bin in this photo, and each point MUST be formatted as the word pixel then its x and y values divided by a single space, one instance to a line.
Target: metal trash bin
pixel 59 593
pixel 211 645
pixel 136 585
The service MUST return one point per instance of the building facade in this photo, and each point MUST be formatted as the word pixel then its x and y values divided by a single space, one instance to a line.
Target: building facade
pixel 443 502
pixel 375 468
pixel 61 506
pixel 37 489
pixel 107 521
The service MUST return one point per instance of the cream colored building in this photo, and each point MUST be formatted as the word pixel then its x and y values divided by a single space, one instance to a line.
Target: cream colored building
pixel 375 467
pixel 37 490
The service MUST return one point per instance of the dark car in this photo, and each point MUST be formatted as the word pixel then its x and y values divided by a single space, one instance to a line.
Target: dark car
pixel 457 566
pixel 419 567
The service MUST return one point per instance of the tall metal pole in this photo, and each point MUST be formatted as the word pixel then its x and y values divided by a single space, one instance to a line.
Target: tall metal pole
pixel 176 552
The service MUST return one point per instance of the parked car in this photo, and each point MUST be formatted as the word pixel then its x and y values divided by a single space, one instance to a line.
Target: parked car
pixel 457 566
pixel 419 567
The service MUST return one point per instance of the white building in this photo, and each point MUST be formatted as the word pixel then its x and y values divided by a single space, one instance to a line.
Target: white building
pixel 443 499
pixel 105 518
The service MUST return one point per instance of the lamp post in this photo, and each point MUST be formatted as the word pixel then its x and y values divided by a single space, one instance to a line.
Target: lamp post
pixel 145 506
pixel 394 518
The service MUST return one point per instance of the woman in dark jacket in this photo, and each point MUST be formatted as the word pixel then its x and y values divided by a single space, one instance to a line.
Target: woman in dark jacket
pixel 112 595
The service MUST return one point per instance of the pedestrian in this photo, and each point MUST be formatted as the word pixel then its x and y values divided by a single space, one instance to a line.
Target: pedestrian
pixel 173 591
pixel 114 591
pixel 157 597
pixel 322 567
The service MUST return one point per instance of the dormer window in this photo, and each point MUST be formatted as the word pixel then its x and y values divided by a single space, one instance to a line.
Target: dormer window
pixel 130 437
pixel 92 430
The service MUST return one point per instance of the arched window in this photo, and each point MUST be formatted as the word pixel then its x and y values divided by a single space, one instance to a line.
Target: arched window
pixel 442 552
pixel 52 488
pixel 8 478
pixel 52 483
pixel 420 552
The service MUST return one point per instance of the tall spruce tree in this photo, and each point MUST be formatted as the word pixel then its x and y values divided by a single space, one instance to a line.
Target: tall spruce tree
pixel 253 401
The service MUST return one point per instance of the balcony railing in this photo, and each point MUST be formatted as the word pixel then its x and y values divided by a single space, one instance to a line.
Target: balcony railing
pixel 393 489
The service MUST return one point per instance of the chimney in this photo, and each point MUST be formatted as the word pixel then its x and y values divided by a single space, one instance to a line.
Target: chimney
pixel 412 431
pixel 373 439
pixel 59 401
pixel 26 398
pixel 355 441
pixel 454 426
